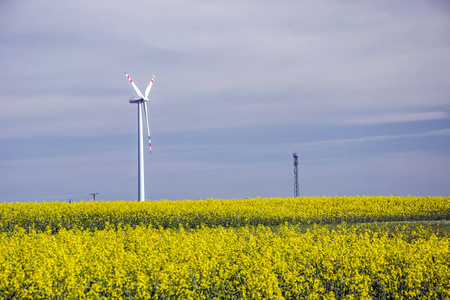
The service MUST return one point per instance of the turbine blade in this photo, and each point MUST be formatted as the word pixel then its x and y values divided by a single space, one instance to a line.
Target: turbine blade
pixel 149 87
pixel 138 92
pixel 148 128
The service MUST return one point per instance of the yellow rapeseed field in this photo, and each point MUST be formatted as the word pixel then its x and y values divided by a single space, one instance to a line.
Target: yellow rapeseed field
pixel 225 249
pixel 230 212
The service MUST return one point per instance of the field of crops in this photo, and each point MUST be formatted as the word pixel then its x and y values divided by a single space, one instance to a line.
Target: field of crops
pixel 277 248
pixel 227 213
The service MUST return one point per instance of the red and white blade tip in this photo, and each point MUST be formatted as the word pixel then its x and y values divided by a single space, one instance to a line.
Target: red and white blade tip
pixel 150 144
pixel 128 77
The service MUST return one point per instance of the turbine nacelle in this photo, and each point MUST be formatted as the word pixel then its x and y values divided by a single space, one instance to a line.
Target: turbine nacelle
pixel 137 100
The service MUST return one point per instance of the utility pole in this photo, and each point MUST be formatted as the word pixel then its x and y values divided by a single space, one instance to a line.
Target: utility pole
pixel 93 195
pixel 295 174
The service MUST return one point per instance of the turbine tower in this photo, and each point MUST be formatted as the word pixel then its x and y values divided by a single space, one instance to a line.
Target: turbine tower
pixel 141 101
pixel 295 174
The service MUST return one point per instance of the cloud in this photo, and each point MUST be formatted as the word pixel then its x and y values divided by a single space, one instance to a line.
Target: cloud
pixel 221 67
pixel 441 132
pixel 397 118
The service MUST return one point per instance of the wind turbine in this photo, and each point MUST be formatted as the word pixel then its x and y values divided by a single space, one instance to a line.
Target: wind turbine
pixel 141 101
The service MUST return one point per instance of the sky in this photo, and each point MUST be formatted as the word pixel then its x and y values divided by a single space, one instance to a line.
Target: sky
pixel 360 89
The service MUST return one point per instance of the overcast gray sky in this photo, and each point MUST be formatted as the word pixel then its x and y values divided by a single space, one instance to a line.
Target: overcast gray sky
pixel 361 89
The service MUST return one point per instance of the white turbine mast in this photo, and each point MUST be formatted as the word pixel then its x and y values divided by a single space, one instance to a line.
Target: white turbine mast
pixel 141 101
